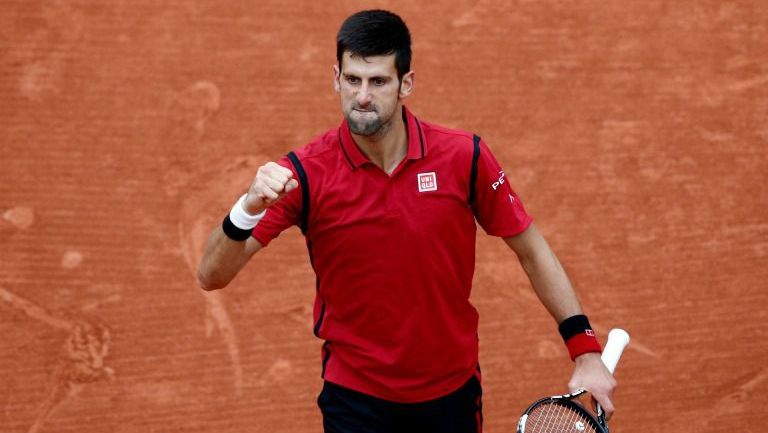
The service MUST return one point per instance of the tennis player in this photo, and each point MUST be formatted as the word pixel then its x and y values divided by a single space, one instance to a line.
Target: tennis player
pixel 388 204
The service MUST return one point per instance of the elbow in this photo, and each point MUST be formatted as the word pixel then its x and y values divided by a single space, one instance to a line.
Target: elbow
pixel 528 263
pixel 207 284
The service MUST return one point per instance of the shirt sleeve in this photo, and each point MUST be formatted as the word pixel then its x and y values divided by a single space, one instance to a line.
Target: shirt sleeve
pixel 281 215
pixel 497 207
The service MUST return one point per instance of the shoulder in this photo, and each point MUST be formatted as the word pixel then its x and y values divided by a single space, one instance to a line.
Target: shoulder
pixel 442 133
pixel 442 139
pixel 319 154
pixel 321 146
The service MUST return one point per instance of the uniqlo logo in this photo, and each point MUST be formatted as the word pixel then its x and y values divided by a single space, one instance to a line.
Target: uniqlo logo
pixel 427 182
pixel 589 332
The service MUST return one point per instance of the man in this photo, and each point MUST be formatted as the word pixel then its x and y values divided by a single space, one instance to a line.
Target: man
pixel 388 205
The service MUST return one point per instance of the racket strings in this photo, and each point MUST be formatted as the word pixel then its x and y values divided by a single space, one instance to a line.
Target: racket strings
pixel 557 418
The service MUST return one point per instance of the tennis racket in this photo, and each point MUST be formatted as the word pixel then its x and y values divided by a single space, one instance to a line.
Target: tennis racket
pixel 563 413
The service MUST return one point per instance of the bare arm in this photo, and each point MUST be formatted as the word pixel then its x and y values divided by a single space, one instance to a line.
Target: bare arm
pixel 223 257
pixel 556 293
pixel 547 275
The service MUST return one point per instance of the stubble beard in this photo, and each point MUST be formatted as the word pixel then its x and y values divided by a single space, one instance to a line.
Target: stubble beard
pixel 367 128
pixel 364 128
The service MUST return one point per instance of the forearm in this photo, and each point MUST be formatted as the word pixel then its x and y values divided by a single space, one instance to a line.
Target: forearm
pixel 223 259
pixel 547 276
pixel 552 285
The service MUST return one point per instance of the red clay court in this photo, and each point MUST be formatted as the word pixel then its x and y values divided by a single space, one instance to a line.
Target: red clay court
pixel 635 132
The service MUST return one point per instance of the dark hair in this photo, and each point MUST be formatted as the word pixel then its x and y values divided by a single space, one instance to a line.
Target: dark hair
pixel 376 33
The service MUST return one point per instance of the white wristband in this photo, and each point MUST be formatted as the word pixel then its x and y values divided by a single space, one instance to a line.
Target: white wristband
pixel 242 219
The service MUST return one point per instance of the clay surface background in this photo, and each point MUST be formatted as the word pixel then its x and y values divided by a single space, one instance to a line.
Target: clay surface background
pixel 636 132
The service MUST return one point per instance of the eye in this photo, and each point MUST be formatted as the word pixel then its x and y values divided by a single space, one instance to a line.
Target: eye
pixel 352 80
pixel 379 81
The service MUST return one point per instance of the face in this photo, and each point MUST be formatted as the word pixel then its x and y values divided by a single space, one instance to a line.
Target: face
pixel 370 92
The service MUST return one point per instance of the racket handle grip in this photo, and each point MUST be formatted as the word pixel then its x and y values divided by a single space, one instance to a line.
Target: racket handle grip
pixel 617 341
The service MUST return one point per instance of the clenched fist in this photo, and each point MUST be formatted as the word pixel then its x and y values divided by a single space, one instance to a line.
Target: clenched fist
pixel 272 182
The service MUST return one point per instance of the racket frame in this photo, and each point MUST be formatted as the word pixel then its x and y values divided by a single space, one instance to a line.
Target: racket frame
pixel 567 400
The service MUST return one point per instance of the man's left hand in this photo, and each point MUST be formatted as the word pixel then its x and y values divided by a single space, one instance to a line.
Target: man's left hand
pixel 591 374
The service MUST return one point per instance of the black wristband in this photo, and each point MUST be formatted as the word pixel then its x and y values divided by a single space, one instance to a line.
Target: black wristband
pixel 573 325
pixel 233 232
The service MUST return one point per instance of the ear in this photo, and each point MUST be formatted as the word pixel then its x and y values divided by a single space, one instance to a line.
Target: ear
pixel 336 77
pixel 406 84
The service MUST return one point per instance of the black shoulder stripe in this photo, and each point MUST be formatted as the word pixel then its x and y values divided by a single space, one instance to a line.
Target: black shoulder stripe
pixel 304 221
pixel 473 173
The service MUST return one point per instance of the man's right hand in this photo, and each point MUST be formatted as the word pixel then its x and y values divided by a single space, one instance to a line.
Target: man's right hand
pixel 272 182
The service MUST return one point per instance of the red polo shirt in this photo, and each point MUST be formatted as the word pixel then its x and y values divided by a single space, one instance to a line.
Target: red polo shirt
pixel 394 257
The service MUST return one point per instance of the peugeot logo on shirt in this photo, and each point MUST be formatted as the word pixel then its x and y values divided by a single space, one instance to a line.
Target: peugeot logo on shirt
pixel 499 182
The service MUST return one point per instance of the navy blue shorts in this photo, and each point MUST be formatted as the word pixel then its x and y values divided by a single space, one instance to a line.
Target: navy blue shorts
pixel 348 411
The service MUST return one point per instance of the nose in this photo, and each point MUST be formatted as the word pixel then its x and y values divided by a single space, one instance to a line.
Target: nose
pixel 363 97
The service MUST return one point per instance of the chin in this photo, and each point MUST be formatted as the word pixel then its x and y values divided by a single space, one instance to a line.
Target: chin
pixel 365 130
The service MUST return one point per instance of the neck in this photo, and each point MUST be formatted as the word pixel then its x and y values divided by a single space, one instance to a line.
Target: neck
pixel 388 147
